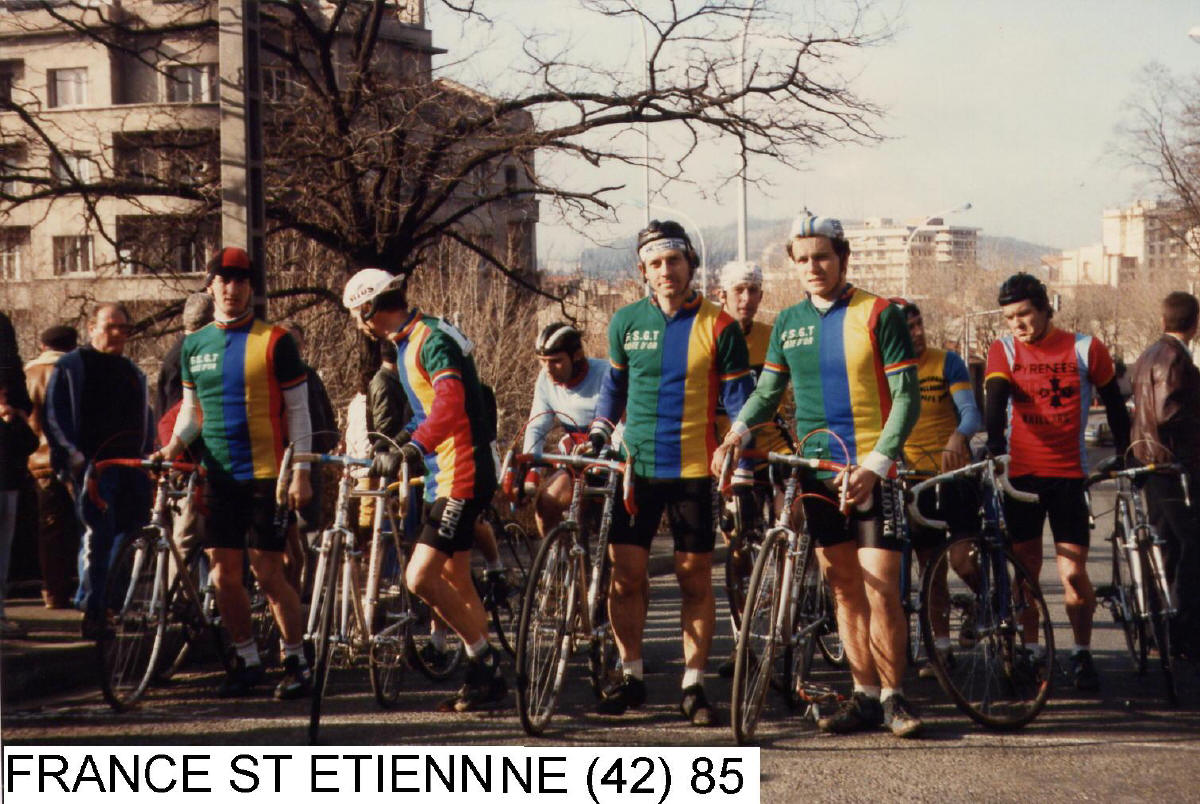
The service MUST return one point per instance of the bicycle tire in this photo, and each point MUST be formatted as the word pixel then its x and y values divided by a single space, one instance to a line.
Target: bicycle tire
pixel 912 616
pixel 542 633
pixel 262 623
pixel 1123 607
pixel 833 650
pixel 516 553
pixel 603 659
pixel 1160 628
pixel 758 641
pixel 135 595
pixel 323 646
pixel 809 610
pixel 389 631
pixel 992 678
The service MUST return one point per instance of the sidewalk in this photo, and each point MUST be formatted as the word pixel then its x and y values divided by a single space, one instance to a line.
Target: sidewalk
pixel 53 658
pixel 50 658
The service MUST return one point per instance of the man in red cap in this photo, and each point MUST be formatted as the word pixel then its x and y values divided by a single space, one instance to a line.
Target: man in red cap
pixel 244 390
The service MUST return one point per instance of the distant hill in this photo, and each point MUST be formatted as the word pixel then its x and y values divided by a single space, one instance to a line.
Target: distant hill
pixel 995 252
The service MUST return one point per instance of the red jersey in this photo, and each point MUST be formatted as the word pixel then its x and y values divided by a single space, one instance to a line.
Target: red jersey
pixel 1053 383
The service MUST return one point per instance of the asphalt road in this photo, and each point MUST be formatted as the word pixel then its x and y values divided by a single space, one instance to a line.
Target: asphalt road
pixel 1120 743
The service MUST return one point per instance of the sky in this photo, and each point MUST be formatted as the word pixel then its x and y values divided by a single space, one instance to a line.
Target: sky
pixel 1011 106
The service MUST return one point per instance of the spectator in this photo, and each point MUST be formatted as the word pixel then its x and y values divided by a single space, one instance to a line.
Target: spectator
pixel 16 442
pixel 97 407
pixel 57 528
pixel 12 378
pixel 197 313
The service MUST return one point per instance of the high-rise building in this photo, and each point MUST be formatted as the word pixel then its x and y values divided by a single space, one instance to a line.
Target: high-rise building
pixel 1143 243
pixel 914 260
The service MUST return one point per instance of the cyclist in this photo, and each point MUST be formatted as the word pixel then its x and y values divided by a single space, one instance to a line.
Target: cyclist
pixel 741 286
pixel 1040 383
pixel 853 372
pixel 565 393
pixel 940 442
pixel 1166 427
pixel 245 392
pixel 673 354
pixel 450 445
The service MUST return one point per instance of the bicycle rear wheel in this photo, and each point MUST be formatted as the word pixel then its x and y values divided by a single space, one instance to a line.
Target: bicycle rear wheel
pixel 542 635
pixel 323 645
pixel 830 641
pixel 436 664
pixel 389 631
pixel 992 676
pixel 185 623
pixel 135 602
pixel 758 640
pixel 1123 603
pixel 1160 627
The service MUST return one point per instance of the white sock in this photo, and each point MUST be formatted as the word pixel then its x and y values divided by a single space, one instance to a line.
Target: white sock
pixel 497 564
pixel 941 644
pixel 633 667
pixel 1077 648
pixel 870 692
pixel 692 676
pixel 296 650
pixel 888 692
pixel 248 650
pixel 477 648
pixel 437 638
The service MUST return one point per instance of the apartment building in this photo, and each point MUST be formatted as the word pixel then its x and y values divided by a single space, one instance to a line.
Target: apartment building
pixel 136 121
pixel 1140 244
pixel 914 259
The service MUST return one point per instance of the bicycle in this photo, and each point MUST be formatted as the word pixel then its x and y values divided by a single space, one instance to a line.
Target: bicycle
pixel 565 599
pixel 517 551
pixel 355 614
pixel 141 599
pixel 895 523
pixel 1140 596
pixel 787 607
pixel 993 677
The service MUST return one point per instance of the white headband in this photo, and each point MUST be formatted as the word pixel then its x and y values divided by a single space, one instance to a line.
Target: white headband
pixel 658 246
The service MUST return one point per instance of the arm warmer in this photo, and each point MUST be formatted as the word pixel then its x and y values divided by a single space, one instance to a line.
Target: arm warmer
pixel 970 420
pixel 1117 414
pixel 299 425
pixel 906 409
pixel 614 393
pixel 540 421
pixel 762 403
pixel 187 423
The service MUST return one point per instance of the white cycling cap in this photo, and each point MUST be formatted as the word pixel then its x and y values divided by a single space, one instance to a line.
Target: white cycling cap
pixel 736 273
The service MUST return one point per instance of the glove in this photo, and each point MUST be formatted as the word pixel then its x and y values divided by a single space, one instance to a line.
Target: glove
pixel 598 439
pixel 387 464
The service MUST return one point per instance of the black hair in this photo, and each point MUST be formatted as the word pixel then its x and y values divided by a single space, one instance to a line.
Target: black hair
pixel 660 230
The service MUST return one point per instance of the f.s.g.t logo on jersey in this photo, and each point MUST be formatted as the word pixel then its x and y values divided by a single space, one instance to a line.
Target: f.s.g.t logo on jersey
pixel 204 362
pixel 641 339
pixel 797 336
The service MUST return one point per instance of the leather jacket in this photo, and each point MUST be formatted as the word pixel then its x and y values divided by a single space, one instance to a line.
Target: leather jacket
pixel 37 377
pixel 1166 397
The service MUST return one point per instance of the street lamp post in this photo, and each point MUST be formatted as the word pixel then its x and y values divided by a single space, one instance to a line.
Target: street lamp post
pixel 645 128
pixel 743 236
pixel 908 242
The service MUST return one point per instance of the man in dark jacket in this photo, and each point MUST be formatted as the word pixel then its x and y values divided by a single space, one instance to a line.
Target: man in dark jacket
pixel 388 405
pixel 97 407
pixel 17 441
pixel 12 378
pixel 1166 427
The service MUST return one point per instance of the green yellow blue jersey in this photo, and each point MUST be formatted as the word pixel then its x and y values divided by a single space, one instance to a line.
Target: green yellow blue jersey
pixel 770 437
pixel 853 373
pixel 239 372
pixel 449 421
pixel 947 405
pixel 666 376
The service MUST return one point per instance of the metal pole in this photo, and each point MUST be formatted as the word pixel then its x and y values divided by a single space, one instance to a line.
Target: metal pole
pixel 913 233
pixel 743 236
pixel 645 128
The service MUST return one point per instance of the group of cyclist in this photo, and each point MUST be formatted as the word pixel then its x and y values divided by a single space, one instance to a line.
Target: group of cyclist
pixel 688 383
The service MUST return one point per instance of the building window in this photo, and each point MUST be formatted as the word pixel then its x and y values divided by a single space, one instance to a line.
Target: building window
pixel 510 177
pixel 14 250
pixel 72 166
pixel 165 244
pixel 277 85
pixel 72 254
pixel 68 87
pixel 8 77
pixel 192 83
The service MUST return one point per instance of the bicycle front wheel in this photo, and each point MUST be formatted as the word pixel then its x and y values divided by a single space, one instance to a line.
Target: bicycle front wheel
pixel 542 635
pixel 990 673
pixel 1160 628
pixel 759 640
pixel 135 603
pixel 389 631
pixel 603 658
pixel 323 645
pixel 808 619
pixel 185 622
pixel 1123 604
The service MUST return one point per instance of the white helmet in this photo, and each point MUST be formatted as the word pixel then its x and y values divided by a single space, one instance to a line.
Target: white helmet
pixel 367 284
pixel 740 273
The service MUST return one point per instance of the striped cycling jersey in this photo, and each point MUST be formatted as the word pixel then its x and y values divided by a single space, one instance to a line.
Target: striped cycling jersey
pixel 1053 383
pixel 769 437
pixel 448 423
pixel 666 376
pixel 947 404
pixel 239 372
pixel 839 361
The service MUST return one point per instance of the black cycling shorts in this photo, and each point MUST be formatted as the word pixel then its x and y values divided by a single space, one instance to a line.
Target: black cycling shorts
pixel 449 523
pixel 688 504
pixel 830 528
pixel 957 504
pixel 241 514
pixel 1061 498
